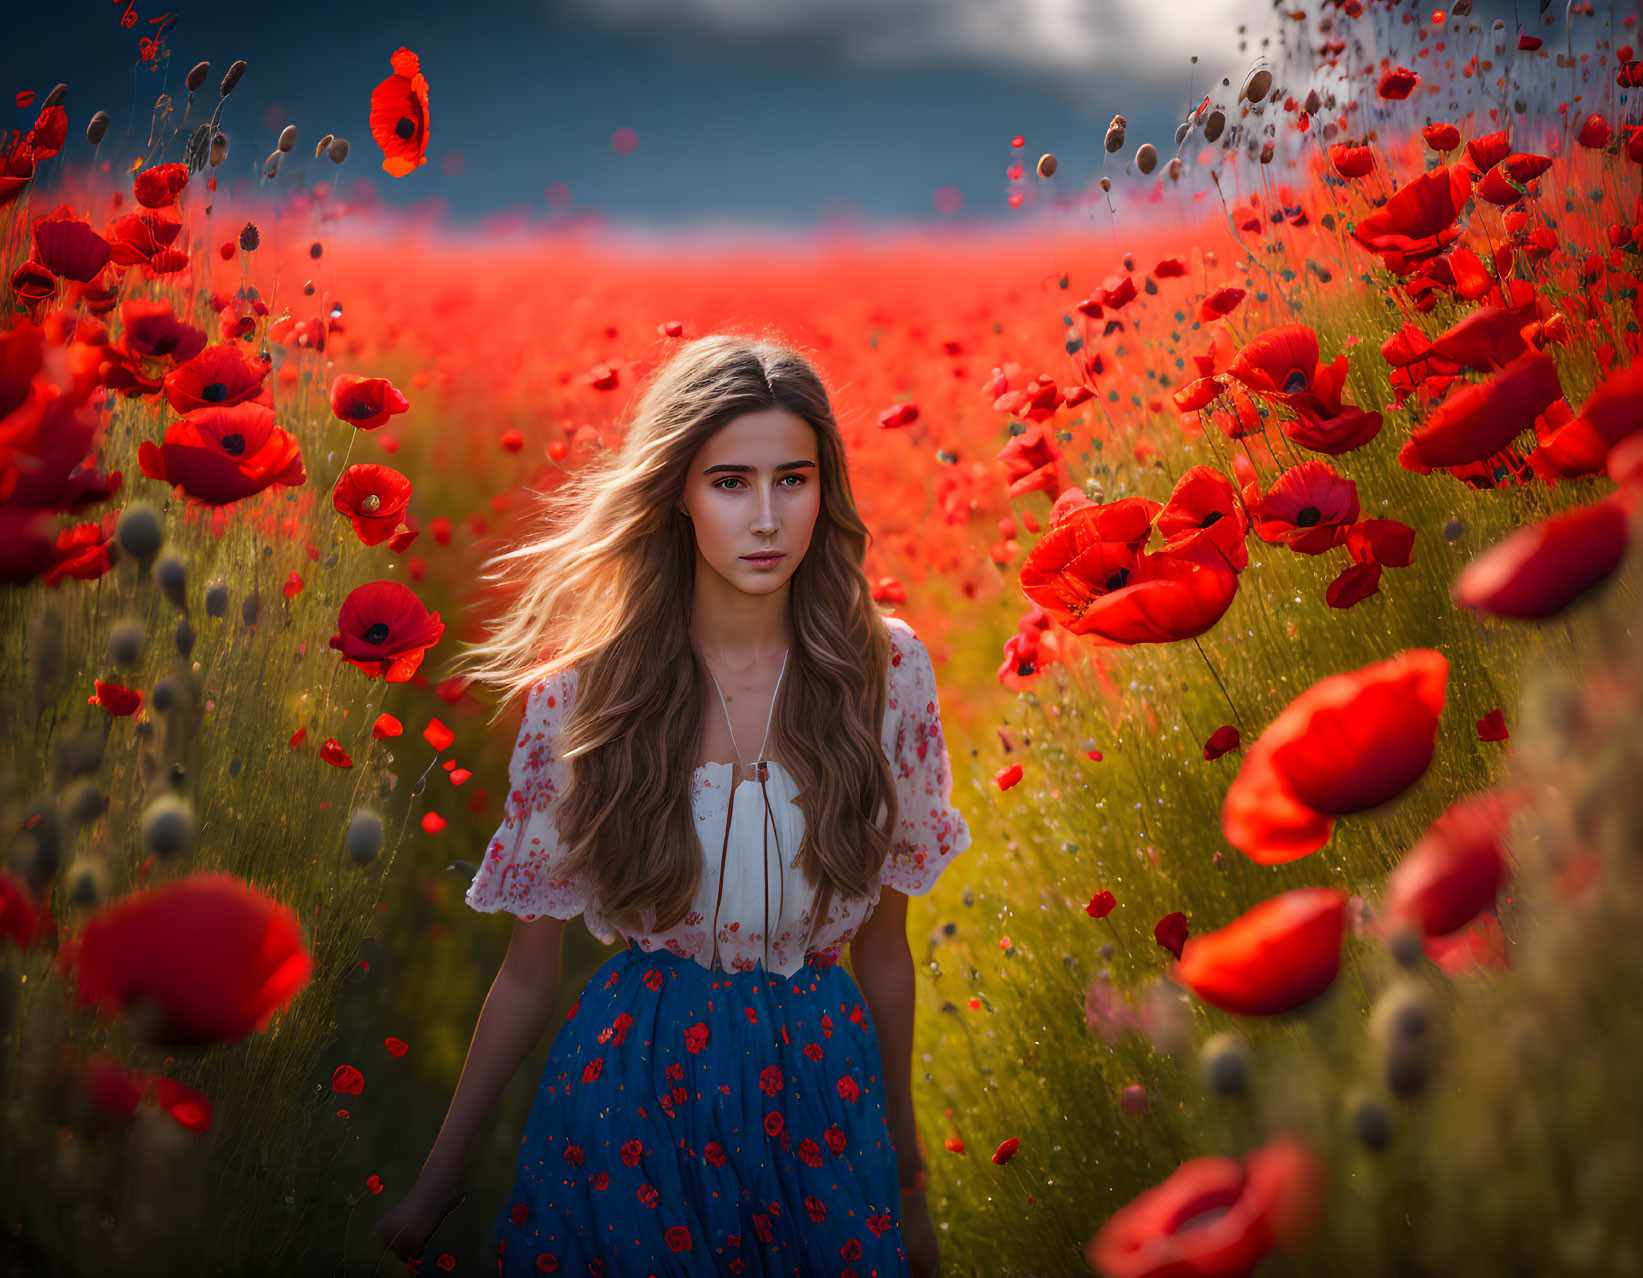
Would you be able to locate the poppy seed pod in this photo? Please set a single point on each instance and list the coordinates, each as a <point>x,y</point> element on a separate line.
<point>364,839</point>
<point>288,137</point>
<point>172,575</point>
<point>125,643</point>
<point>271,166</point>
<point>216,601</point>
<point>196,75</point>
<point>1175,169</point>
<point>219,148</point>
<point>97,128</point>
<point>1046,165</point>
<point>1181,132</point>
<point>185,638</point>
<point>249,237</point>
<point>165,694</point>
<point>1115,134</point>
<point>338,150</point>
<point>1371,1123</point>
<point>1257,86</point>
<point>1146,159</point>
<point>168,826</point>
<point>321,146</point>
<point>84,803</point>
<point>55,97</point>
<point>251,608</point>
<point>1214,125</point>
<point>232,78</point>
<point>1224,1063</point>
<point>87,885</point>
<point>138,531</point>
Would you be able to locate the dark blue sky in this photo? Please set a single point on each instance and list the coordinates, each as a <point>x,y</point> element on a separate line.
<point>841,107</point>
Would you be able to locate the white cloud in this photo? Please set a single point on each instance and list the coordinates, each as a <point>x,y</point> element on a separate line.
<point>1070,41</point>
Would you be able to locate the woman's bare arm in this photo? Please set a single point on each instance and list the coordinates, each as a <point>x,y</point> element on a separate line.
<point>516,1011</point>
<point>882,964</point>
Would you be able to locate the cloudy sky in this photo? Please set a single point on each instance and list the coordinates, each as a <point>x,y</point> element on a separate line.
<point>763,112</point>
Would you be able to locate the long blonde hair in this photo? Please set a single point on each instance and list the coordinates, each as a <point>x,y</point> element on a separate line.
<point>601,581</point>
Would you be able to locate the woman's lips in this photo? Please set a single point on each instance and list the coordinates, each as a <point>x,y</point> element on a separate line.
<point>763,561</point>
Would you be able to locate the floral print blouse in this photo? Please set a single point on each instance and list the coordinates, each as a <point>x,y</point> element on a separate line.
<point>519,872</point>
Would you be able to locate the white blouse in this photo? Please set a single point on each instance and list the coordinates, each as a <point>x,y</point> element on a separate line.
<point>519,873</point>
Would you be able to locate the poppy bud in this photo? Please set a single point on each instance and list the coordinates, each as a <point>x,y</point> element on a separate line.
<point>1106,184</point>
<point>1174,171</point>
<point>1214,125</point>
<point>1046,165</point>
<point>1257,86</point>
<point>168,826</point>
<point>97,128</point>
<point>84,803</point>
<point>271,166</point>
<point>125,643</point>
<point>1224,1062</point>
<point>249,237</point>
<point>196,75</point>
<point>232,78</point>
<point>288,137</point>
<point>54,98</point>
<point>251,608</point>
<point>324,142</point>
<point>1452,531</point>
<point>1372,1123</point>
<point>138,531</point>
<point>172,575</point>
<point>185,638</point>
<point>1313,102</point>
<point>1146,159</point>
<point>338,150</point>
<point>216,601</point>
<point>364,839</point>
<point>219,148</point>
<point>1115,135</point>
<point>1405,947</point>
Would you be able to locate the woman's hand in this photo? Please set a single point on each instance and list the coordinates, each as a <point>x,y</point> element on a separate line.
<point>918,1235</point>
<point>410,1222</point>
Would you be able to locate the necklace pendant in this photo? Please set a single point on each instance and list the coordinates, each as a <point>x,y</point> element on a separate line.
<point>764,770</point>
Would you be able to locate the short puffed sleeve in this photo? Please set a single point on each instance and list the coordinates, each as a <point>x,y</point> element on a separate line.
<point>929,831</point>
<point>520,872</point>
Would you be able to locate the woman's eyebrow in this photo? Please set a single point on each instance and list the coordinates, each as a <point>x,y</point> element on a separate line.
<point>741,469</point>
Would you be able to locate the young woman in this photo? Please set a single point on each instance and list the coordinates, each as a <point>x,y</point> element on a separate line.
<point>698,771</point>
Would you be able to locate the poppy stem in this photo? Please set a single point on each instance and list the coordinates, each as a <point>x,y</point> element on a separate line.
<point>1125,945</point>
<point>1236,717</point>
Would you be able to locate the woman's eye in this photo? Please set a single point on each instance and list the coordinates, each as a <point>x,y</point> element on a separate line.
<point>721,484</point>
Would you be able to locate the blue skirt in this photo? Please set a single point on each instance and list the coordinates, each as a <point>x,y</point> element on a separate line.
<point>693,1121</point>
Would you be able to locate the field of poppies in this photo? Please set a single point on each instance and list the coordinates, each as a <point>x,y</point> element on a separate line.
<point>1277,572</point>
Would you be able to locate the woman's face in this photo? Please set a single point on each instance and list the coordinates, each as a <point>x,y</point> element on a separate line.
<point>755,486</point>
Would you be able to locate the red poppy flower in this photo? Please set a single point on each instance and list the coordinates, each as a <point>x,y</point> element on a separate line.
<point>374,498</point>
<point>899,415</point>
<point>1503,185</point>
<point>1101,905</point>
<point>210,956</point>
<point>1397,84</point>
<point>135,240</point>
<point>1595,132</point>
<point>158,187</point>
<point>1487,340</point>
<point>49,133</point>
<point>16,171</point>
<point>365,402</point>
<point>114,1091</point>
<point>1223,301</point>
<point>1271,959</point>
<point>1126,597</point>
<point>1031,461</point>
<point>1486,151</point>
<point>1213,1217</point>
<point>399,115</point>
<point>1282,364</point>
<point>1350,742</point>
<point>1540,570</point>
<point>1204,521</point>
<point>385,629</point>
<point>218,377</point>
<point>1580,446</point>
<point>1309,508</point>
<point>24,917</point>
<point>118,701</point>
<point>153,331</point>
<point>1418,221</point>
<point>191,1108</point>
<point>222,455</point>
<point>67,246</point>
<point>1479,420</point>
<point>1169,268</point>
<point>1351,161</point>
<point>1350,428</point>
<point>33,286</point>
<point>1355,583</point>
<point>1171,932</point>
<point>1441,137</point>
<point>1454,872</point>
<point>1381,541</point>
<point>1220,741</point>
